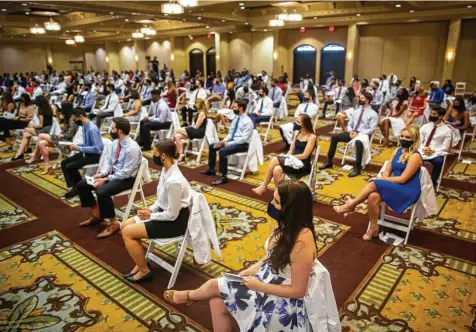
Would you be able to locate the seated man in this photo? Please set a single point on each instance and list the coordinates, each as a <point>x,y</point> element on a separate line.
<point>88,100</point>
<point>146,92</point>
<point>160,119</point>
<point>89,152</point>
<point>435,139</point>
<point>377,97</point>
<point>361,121</point>
<point>336,97</point>
<point>199,93</point>
<point>264,109</point>
<point>117,175</point>
<point>275,93</point>
<point>436,96</point>
<point>237,141</point>
<point>110,105</point>
<point>218,91</point>
<point>307,107</point>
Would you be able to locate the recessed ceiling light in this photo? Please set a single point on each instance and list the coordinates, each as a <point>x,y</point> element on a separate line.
<point>27,13</point>
<point>246,23</point>
<point>4,9</point>
<point>67,30</point>
<point>241,4</point>
<point>207,27</point>
<point>199,18</point>
<point>398,5</point>
<point>265,30</point>
<point>223,20</point>
<point>24,4</point>
<point>94,30</point>
<point>166,14</point>
<point>469,6</point>
<point>24,35</point>
<point>315,17</point>
<point>127,20</point>
<point>112,13</point>
<point>411,11</point>
<point>242,7</point>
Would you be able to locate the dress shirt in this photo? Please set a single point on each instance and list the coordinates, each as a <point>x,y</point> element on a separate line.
<point>440,143</point>
<point>173,194</point>
<point>276,94</point>
<point>160,112</point>
<point>392,79</point>
<point>240,93</point>
<point>339,92</point>
<point>383,85</point>
<point>436,96</point>
<point>146,92</point>
<point>92,141</point>
<point>242,134</point>
<point>329,80</point>
<point>194,95</point>
<point>312,110</point>
<point>377,97</point>
<point>18,92</point>
<point>265,105</point>
<point>218,89</point>
<point>60,88</point>
<point>127,165</point>
<point>37,92</point>
<point>88,100</point>
<point>119,84</point>
<point>368,123</point>
<point>238,82</point>
<point>110,103</point>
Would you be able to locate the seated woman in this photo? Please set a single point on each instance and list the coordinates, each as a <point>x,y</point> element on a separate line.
<point>395,118</point>
<point>166,218</point>
<point>171,95</point>
<point>349,102</point>
<point>196,131</point>
<point>457,116</point>
<point>133,114</point>
<point>45,117</point>
<point>417,106</point>
<point>25,114</point>
<point>225,114</point>
<point>399,187</point>
<point>272,291</point>
<point>45,140</point>
<point>298,160</point>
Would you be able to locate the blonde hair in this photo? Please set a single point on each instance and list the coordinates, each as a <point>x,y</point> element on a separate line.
<point>415,134</point>
<point>201,106</point>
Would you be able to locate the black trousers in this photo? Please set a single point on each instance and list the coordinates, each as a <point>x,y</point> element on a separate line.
<point>187,111</point>
<point>71,166</point>
<point>104,195</point>
<point>345,137</point>
<point>100,116</point>
<point>329,102</point>
<point>9,124</point>
<point>146,127</point>
<point>224,152</point>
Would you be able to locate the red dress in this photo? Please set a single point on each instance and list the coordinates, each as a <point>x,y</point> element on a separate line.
<point>417,104</point>
<point>171,99</point>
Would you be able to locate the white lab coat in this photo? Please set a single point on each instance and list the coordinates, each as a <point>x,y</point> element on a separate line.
<point>367,156</point>
<point>255,151</point>
<point>426,206</point>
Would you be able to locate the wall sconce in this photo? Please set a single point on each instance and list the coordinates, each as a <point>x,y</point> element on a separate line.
<point>449,56</point>
<point>136,58</point>
<point>217,57</point>
<point>172,57</point>
<point>275,55</point>
<point>50,60</point>
<point>349,56</point>
<point>107,59</point>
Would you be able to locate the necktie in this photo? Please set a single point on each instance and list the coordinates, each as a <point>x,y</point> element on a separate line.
<point>373,97</point>
<point>196,95</point>
<point>107,102</point>
<point>116,157</point>
<point>157,110</point>
<point>235,129</point>
<point>305,108</point>
<point>338,93</point>
<point>432,133</point>
<point>356,127</point>
<point>272,95</point>
<point>261,107</point>
<point>381,85</point>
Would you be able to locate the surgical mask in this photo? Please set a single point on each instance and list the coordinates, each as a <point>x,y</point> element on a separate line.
<point>406,143</point>
<point>236,111</point>
<point>273,212</point>
<point>433,118</point>
<point>114,135</point>
<point>306,99</point>
<point>362,102</point>
<point>260,95</point>
<point>78,122</point>
<point>158,161</point>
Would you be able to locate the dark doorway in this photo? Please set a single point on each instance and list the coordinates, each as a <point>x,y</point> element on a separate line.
<point>332,58</point>
<point>304,63</point>
<point>196,61</point>
<point>211,61</point>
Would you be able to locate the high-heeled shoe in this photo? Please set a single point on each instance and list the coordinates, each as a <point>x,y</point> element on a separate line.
<point>134,273</point>
<point>20,157</point>
<point>337,209</point>
<point>169,297</point>
<point>373,233</point>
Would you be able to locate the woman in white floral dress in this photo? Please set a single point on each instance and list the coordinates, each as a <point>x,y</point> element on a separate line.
<point>271,296</point>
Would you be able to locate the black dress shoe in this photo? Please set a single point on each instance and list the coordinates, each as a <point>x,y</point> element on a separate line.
<point>29,150</point>
<point>20,157</point>
<point>208,172</point>
<point>148,276</point>
<point>72,193</point>
<point>221,180</point>
<point>355,172</point>
<point>327,164</point>
<point>132,274</point>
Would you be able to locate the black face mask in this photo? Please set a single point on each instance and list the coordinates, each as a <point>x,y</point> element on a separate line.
<point>157,161</point>
<point>433,118</point>
<point>406,143</point>
<point>78,122</point>
<point>273,212</point>
<point>297,127</point>
<point>306,99</point>
<point>237,112</point>
<point>362,102</point>
<point>114,135</point>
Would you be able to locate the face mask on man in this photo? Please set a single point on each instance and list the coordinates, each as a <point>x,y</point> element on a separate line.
<point>433,118</point>
<point>114,134</point>
<point>157,161</point>
<point>236,111</point>
<point>306,99</point>
<point>260,95</point>
<point>78,122</point>
<point>361,102</point>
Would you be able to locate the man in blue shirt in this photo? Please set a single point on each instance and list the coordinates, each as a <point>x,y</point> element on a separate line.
<point>118,174</point>
<point>238,140</point>
<point>218,92</point>
<point>88,152</point>
<point>436,97</point>
<point>88,100</point>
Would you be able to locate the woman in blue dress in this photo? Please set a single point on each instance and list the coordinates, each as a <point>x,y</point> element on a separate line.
<point>270,296</point>
<point>399,186</point>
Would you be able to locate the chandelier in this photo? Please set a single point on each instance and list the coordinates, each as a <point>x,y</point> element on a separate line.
<point>276,22</point>
<point>70,42</point>
<point>37,30</point>
<point>79,38</point>
<point>294,17</point>
<point>52,25</point>
<point>172,7</point>
<point>148,31</point>
<point>188,3</point>
<point>137,34</point>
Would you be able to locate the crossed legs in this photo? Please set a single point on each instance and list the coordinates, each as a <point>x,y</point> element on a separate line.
<point>44,141</point>
<point>179,135</point>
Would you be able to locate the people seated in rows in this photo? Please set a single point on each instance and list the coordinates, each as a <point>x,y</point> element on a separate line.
<point>19,90</point>
<point>110,105</point>
<point>457,116</point>
<point>45,140</point>
<point>377,97</point>
<point>435,139</point>
<point>436,96</point>
<point>417,105</point>
<point>362,121</point>
<point>166,218</point>
<point>335,98</point>
<point>399,186</point>
<point>218,92</point>
<point>170,95</point>
<point>117,175</point>
<point>275,93</point>
<point>238,140</point>
<point>349,102</point>
<point>297,162</point>
<point>133,113</point>
<point>264,109</point>
<point>390,96</point>
<point>188,110</point>
<point>88,100</point>
<point>279,280</point>
<point>25,114</point>
<point>307,107</point>
<point>159,118</point>
<point>225,114</point>
<point>396,116</point>
<point>195,131</point>
<point>146,92</point>
<point>88,152</point>
<point>60,88</point>
<point>43,125</point>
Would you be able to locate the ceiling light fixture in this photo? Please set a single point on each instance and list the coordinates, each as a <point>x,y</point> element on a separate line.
<point>127,20</point>
<point>4,9</point>
<point>358,14</point>
<point>208,27</point>
<point>188,3</point>
<point>172,7</point>
<point>276,22</point>
<point>37,30</point>
<point>24,4</point>
<point>294,17</point>
<point>137,34</point>
<point>411,10</point>
<point>70,42</point>
<point>199,18</point>
<point>469,6</point>
<point>79,38</point>
<point>398,5</point>
<point>27,13</point>
<point>52,25</point>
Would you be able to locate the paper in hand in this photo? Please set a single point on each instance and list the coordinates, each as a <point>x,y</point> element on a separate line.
<point>90,180</point>
<point>232,277</point>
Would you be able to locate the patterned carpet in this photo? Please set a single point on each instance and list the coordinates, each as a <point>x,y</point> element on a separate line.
<point>413,289</point>
<point>11,214</point>
<point>49,283</point>
<point>464,171</point>
<point>242,227</point>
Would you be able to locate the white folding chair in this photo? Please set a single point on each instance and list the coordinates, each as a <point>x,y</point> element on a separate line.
<point>248,155</point>
<point>269,126</point>
<point>91,169</point>
<point>288,92</point>
<point>460,88</point>
<point>181,251</point>
<point>347,147</point>
<point>311,178</point>
<point>144,112</point>
<point>201,142</point>
<point>167,133</point>
<point>107,122</point>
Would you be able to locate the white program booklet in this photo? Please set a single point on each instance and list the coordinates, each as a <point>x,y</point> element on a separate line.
<point>89,180</point>
<point>232,277</point>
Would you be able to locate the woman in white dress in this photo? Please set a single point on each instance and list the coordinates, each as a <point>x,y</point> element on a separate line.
<point>396,116</point>
<point>225,114</point>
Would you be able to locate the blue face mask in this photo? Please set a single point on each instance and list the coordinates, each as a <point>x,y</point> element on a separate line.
<point>273,212</point>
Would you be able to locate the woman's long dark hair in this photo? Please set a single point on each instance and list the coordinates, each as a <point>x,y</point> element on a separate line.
<point>296,203</point>
<point>7,98</point>
<point>462,106</point>
<point>351,93</point>
<point>306,123</point>
<point>26,99</point>
<point>231,95</point>
<point>44,107</point>
<point>404,95</point>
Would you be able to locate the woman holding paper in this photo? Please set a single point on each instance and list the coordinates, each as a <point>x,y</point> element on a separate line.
<point>166,218</point>
<point>270,294</point>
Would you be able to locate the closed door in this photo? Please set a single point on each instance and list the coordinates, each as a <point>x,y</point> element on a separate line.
<point>211,62</point>
<point>196,61</point>
<point>332,59</point>
<point>304,63</point>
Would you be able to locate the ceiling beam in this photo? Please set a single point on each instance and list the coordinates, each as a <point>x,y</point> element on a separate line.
<point>89,21</point>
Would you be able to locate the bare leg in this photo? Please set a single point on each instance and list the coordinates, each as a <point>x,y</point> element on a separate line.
<point>374,212</point>
<point>43,146</point>
<point>132,236</point>
<point>36,152</point>
<point>206,291</point>
<point>124,224</point>
<point>277,175</point>
<point>24,142</point>
<point>220,317</point>
<point>363,195</point>
<point>269,174</point>
<point>178,142</point>
<point>342,121</point>
<point>385,128</point>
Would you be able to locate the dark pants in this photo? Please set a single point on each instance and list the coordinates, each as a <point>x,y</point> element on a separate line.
<point>71,166</point>
<point>9,124</point>
<point>300,96</point>
<point>146,127</point>
<point>345,137</point>
<point>87,109</point>
<point>224,153</point>
<point>437,163</point>
<point>258,118</point>
<point>100,116</point>
<point>187,111</point>
<point>104,195</point>
<point>329,102</point>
